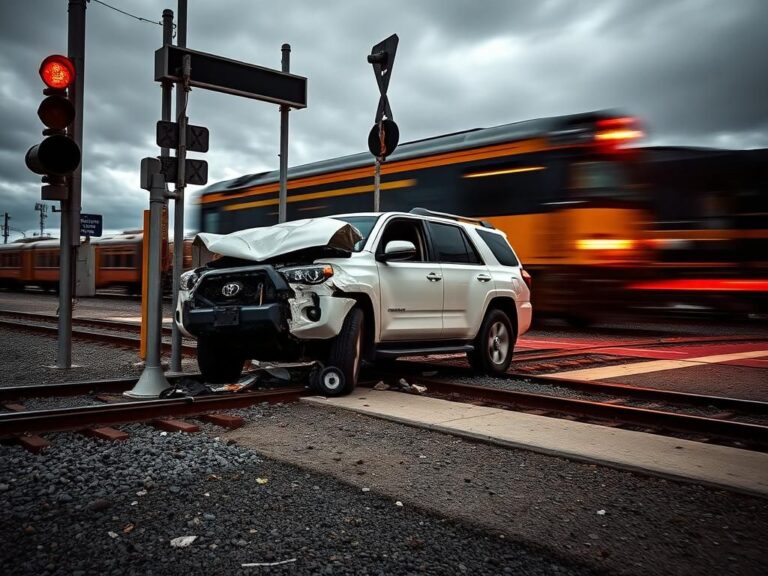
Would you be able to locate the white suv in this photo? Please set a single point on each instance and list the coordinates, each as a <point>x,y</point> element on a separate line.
<point>355,287</point>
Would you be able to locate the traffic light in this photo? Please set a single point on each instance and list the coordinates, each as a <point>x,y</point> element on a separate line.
<point>58,155</point>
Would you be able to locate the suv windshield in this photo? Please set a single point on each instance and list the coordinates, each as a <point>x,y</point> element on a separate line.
<point>364,225</point>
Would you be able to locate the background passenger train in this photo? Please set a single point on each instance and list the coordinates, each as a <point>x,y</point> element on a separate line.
<point>118,262</point>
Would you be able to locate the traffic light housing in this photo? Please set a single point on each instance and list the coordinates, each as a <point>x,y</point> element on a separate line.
<point>58,155</point>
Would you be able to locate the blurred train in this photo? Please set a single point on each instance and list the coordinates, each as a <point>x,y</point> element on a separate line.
<point>601,224</point>
<point>118,262</point>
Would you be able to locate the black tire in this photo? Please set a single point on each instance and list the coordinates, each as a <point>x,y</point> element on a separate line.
<point>219,361</point>
<point>346,354</point>
<point>494,345</point>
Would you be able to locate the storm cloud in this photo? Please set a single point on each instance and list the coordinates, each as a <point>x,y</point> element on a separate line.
<point>692,70</point>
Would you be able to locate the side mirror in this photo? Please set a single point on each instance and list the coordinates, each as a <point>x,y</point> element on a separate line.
<point>398,250</point>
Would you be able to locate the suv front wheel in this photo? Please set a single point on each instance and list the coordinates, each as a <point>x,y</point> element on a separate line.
<point>494,345</point>
<point>346,354</point>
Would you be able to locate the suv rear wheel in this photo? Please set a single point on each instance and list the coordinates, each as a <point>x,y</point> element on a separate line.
<point>494,345</point>
<point>219,361</point>
<point>346,354</point>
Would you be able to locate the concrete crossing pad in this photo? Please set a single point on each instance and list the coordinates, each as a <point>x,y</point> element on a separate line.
<point>720,466</point>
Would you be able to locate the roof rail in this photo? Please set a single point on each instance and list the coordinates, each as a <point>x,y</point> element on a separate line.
<point>425,212</point>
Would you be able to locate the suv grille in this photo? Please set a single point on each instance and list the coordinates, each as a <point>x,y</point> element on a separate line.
<point>235,289</point>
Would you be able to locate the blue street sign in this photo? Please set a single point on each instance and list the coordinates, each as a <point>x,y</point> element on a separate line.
<point>90,224</point>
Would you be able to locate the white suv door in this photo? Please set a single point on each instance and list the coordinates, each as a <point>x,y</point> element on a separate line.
<point>412,290</point>
<point>466,280</point>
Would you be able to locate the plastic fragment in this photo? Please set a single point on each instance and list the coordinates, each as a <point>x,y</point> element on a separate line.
<point>183,541</point>
<point>399,504</point>
<point>366,489</point>
<point>278,563</point>
<point>380,385</point>
<point>112,534</point>
<point>601,512</point>
<point>261,481</point>
<point>141,493</point>
<point>418,388</point>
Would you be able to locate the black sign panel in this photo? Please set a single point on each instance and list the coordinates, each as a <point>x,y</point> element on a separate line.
<point>195,171</point>
<point>231,76</point>
<point>90,224</point>
<point>167,136</point>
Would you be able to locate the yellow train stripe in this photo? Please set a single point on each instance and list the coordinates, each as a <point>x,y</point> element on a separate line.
<point>472,154</point>
<point>654,366</point>
<point>325,194</point>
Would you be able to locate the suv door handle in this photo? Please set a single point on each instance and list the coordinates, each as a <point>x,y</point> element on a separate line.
<point>484,277</point>
<point>434,277</point>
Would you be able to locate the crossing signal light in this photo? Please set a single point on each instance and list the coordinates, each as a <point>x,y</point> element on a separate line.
<point>58,155</point>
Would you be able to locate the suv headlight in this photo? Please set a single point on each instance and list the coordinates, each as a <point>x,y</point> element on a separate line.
<point>307,274</point>
<point>188,280</point>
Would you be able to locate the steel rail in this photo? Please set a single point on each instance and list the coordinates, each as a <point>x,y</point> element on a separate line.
<point>750,433</point>
<point>61,389</point>
<point>95,322</point>
<point>60,419</point>
<point>115,339</point>
<point>628,391</point>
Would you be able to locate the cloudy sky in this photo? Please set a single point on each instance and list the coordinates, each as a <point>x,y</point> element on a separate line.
<point>695,72</point>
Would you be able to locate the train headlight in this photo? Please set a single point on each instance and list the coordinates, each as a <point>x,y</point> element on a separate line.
<point>188,280</point>
<point>307,274</point>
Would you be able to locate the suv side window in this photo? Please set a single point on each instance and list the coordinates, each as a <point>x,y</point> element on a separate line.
<point>500,248</point>
<point>452,245</point>
<point>408,229</point>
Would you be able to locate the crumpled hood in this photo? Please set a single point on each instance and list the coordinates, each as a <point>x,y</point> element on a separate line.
<point>260,244</point>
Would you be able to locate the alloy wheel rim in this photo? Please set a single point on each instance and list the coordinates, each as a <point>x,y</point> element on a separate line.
<point>498,343</point>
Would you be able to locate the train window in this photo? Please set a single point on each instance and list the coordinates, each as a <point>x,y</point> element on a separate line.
<point>452,245</point>
<point>601,179</point>
<point>500,248</point>
<point>211,221</point>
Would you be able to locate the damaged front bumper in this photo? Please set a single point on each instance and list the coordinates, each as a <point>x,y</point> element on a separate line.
<point>270,308</point>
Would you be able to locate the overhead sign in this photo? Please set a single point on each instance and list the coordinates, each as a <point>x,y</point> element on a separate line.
<point>167,136</point>
<point>90,224</point>
<point>231,76</point>
<point>195,171</point>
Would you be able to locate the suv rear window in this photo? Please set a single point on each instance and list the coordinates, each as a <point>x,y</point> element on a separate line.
<point>452,245</point>
<point>500,248</point>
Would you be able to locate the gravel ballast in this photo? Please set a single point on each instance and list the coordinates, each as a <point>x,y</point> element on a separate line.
<point>316,491</point>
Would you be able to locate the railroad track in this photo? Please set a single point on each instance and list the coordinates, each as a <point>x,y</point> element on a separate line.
<point>706,418</point>
<point>123,334</point>
<point>31,422</point>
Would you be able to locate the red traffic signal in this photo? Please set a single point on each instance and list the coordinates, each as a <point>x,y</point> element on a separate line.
<point>57,71</point>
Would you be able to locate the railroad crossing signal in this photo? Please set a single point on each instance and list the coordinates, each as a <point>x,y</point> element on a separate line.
<point>167,136</point>
<point>58,155</point>
<point>384,136</point>
<point>195,171</point>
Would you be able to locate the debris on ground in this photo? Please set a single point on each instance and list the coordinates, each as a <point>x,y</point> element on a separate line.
<point>278,563</point>
<point>261,481</point>
<point>405,386</point>
<point>183,541</point>
<point>381,385</point>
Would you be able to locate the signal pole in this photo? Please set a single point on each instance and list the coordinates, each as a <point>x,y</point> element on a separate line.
<point>43,209</point>
<point>6,230</point>
<point>178,199</point>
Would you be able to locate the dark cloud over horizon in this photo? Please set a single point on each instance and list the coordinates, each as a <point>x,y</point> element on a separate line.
<point>692,70</point>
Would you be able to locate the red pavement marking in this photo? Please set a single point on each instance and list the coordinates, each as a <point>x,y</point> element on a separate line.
<point>223,420</point>
<point>173,425</point>
<point>106,433</point>
<point>14,407</point>
<point>34,443</point>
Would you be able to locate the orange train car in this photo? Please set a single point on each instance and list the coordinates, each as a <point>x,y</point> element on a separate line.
<point>118,262</point>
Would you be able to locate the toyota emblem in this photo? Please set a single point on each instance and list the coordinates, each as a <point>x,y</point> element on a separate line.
<point>231,289</point>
